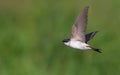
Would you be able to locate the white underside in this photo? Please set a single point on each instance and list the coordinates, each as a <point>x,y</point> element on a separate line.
<point>78,45</point>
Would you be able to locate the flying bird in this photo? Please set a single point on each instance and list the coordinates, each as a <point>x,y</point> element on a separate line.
<point>79,40</point>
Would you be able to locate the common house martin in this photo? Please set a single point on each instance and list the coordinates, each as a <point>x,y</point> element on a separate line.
<point>79,40</point>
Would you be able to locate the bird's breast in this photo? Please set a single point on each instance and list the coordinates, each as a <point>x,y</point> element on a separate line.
<point>79,45</point>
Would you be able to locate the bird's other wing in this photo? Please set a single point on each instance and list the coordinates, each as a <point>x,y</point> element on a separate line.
<point>89,36</point>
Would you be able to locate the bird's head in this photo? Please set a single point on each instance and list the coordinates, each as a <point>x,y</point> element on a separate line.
<point>66,41</point>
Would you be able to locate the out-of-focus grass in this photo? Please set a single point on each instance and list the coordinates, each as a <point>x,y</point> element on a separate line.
<point>31,32</point>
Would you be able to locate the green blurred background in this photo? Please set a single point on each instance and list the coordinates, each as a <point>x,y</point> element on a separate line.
<point>31,32</point>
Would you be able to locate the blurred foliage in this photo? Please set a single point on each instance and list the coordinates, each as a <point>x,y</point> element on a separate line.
<point>31,32</point>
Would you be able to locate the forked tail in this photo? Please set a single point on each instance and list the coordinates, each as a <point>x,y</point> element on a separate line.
<point>96,49</point>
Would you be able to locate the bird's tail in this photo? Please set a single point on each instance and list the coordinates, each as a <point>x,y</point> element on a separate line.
<point>96,49</point>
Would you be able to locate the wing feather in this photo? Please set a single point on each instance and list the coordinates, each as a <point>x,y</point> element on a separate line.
<point>79,27</point>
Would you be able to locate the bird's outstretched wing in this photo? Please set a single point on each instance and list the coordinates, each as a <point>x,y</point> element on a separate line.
<point>79,27</point>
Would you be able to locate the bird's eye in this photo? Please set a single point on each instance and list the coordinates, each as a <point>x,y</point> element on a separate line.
<point>65,40</point>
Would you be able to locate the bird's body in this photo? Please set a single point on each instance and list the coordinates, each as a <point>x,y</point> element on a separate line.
<point>78,38</point>
<point>78,45</point>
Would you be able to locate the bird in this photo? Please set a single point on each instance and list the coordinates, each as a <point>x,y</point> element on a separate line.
<point>79,39</point>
